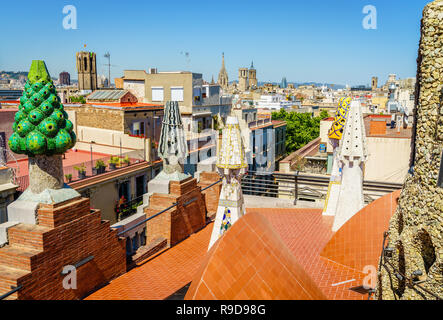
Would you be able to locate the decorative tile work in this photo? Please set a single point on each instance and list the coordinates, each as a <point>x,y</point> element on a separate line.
<point>226,222</point>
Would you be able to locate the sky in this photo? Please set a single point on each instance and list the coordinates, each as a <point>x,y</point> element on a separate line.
<point>302,40</point>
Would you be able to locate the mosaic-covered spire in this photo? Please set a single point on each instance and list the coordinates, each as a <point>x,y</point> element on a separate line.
<point>231,154</point>
<point>172,137</point>
<point>41,125</point>
<point>231,163</point>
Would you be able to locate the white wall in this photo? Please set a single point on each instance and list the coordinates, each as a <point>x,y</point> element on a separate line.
<point>110,139</point>
<point>388,159</point>
<point>324,129</point>
<point>136,87</point>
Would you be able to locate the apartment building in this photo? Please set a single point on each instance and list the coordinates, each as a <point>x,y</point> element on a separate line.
<point>200,104</point>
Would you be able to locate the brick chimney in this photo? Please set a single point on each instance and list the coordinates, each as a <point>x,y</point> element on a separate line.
<point>377,127</point>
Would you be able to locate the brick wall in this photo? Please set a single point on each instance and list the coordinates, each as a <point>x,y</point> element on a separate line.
<point>212,194</point>
<point>181,221</point>
<point>66,234</point>
<point>100,118</point>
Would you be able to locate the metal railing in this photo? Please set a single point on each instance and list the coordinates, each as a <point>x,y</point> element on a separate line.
<point>127,208</point>
<point>302,186</point>
<point>212,184</point>
<point>71,173</point>
<point>157,214</point>
<point>14,290</point>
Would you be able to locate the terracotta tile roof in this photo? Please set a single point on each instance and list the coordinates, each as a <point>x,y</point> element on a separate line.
<point>278,123</point>
<point>369,224</point>
<point>317,259</point>
<point>251,262</point>
<point>306,232</point>
<point>160,277</point>
<point>126,105</point>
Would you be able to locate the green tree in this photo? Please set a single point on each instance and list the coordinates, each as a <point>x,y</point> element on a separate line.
<point>324,114</point>
<point>79,99</point>
<point>41,125</point>
<point>301,128</point>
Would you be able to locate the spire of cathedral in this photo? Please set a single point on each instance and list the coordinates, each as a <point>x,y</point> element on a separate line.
<point>223,75</point>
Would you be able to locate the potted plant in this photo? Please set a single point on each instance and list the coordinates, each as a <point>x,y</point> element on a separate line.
<point>68,177</point>
<point>125,160</point>
<point>81,171</point>
<point>113,162</point>
<point>99,167</point>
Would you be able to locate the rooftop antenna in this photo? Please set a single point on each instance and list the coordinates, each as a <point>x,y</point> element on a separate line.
<point>108,56</point>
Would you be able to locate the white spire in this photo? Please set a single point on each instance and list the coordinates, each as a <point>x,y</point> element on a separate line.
<point>352,154</point>
<point>353,143</point>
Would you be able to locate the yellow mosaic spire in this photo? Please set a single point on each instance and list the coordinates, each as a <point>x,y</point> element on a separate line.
<point>336,131</point>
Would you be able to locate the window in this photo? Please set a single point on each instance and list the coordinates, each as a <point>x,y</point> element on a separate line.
<point>124,190</point>
<point>157,93</point>
<point>197,93</point>
<point>177,93</point>
<point>138,128</point>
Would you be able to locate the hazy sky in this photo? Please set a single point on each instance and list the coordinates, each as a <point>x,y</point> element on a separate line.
<point>321,40</point>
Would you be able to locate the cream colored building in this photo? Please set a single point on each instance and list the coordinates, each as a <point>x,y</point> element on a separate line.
<point>199,102</point>
<point>115,129</point>
<point>388,149</point>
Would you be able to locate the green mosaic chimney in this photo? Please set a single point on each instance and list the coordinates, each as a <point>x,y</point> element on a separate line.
<point>41,125</point>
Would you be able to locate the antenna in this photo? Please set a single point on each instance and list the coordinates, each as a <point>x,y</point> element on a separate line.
<point>108,55</point>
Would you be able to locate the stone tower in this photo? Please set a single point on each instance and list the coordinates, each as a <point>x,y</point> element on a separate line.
<point>223,75</point>
<point>243,79</point>
<point>374,83</point>
<point>252,77</point>
<point>87,71</point>
<point>412,262</point>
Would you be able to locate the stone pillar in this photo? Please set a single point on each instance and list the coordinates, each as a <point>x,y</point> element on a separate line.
<point>415,239</point>
<point>45,172</point>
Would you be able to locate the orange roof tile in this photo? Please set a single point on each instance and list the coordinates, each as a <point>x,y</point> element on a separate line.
<point>251,262</point>
<point>162,276</point>
<point>317,264</point>
<point>358,243</point>
<point>306,232</point>
<point>127,105</point>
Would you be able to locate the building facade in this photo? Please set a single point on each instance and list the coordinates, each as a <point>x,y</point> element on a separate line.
<point>87,71</point>
<point>64,79</point>
<point>200,104</point>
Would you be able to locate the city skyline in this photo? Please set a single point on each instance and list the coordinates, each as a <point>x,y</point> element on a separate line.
<point>321,43</point>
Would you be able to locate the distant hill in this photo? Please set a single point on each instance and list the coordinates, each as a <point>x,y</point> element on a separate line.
<point>317,84</point>
<point>12,74</point>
